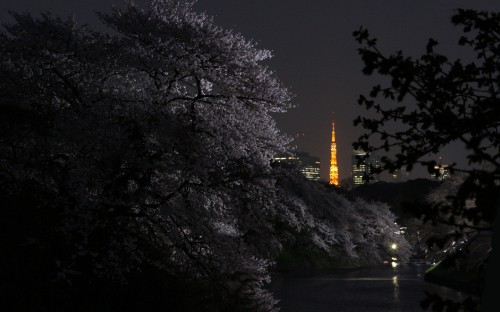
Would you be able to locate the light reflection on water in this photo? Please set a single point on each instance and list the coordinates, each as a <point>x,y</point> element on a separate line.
<point>396,289</point>
<point>374,289</point>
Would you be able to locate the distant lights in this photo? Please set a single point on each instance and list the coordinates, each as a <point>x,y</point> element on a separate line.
<point>334,168</point>
<point>394,246</point>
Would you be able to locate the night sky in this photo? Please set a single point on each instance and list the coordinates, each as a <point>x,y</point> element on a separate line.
<point>314,52</point>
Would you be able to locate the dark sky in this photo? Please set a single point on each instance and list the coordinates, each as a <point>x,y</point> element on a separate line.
<point>314,51</point>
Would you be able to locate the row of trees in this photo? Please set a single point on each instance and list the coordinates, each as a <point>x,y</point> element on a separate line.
<point>135,168</point>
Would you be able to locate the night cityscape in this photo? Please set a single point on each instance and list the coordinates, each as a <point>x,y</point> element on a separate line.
<point>230,155</point>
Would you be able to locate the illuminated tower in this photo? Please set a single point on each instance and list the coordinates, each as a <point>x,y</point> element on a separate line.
<point>334,168</point>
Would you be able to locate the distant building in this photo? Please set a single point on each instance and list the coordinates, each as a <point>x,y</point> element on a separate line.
<point>307,164</point>
<point>443,172</point>
<point>400,175</point>
<point>364,168</point>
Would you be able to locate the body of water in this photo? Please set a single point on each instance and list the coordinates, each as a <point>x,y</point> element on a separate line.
<point>369,289</point>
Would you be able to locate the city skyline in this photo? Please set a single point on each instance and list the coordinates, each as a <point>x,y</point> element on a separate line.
<point>315,54</point>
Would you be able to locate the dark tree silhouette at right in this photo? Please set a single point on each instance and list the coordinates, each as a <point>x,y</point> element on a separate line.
<point>436,102</point>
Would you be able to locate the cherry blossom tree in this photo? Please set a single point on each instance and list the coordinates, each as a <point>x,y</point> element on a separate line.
<point>146,148</point>
<point>352,231</point>
<point>135,166</point>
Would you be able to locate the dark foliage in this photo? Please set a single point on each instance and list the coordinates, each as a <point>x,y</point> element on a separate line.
<point>434,102</point>
<point>398,195</point>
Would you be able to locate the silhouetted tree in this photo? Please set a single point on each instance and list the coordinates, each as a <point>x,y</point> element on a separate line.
<point>435,102</point>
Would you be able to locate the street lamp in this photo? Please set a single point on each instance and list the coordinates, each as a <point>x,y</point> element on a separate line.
<point>394,262</point>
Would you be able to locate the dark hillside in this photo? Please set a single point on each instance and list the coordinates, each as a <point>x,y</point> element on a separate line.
<point>397,195</point>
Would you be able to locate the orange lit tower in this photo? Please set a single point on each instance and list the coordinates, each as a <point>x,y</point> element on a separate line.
<point>334,168</point>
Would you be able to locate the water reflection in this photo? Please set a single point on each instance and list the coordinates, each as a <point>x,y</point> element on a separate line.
<point>395,283</point>
<point>374,289</point>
